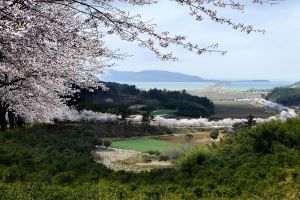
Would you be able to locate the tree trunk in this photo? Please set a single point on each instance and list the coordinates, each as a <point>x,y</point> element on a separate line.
<point>3,110</point>
<point>20,122</point>
<point>3,123</point>
<point>11,120</point>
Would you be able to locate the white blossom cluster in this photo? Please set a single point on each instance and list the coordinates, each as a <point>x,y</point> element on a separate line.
<point>200,122</point>
<point>87,116</point>
<point>205,123</point>
<point>266,103</point>
<point>90,116</point>
<point>97,117</point>
<point>285,112</point>
<point>44,49</point>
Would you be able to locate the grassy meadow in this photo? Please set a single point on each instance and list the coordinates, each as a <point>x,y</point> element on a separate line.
<point>162,143</point>
<point>143,144</point>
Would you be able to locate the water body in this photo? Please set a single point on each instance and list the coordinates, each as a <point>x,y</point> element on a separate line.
<point>243,86</point>
<point>224,85</point>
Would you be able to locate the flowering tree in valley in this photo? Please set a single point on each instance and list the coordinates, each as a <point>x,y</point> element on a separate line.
<point>46,46</point>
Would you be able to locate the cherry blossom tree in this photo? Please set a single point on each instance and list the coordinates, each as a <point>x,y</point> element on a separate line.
<point>44,50</point>
<point>46,46</point>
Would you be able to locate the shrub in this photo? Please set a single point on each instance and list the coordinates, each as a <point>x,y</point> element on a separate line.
<point>193,159</point>
<point>188,137</point>
<point>106,143</point>
<point>153,152</point>
<point>163,158</point>
<point>147,158</point>
<point>214,134</point>
<point>63,178</point>
<point>175,153</point>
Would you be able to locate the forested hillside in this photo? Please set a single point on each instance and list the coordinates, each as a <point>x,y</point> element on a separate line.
<point>287,96</point>
<point>122,97</point>
<point>55,162</point>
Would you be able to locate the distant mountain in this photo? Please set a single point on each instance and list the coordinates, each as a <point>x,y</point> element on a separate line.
<point>149,76</point>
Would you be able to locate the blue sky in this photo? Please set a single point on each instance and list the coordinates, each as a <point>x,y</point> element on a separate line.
<point>274,55</point>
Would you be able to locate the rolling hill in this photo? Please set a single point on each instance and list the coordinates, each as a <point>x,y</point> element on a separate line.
<point>295,85</point>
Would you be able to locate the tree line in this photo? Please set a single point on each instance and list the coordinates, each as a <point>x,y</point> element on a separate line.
<point>121,97</point>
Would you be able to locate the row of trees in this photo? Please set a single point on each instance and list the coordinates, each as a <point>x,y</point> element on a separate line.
<point>47,46</point>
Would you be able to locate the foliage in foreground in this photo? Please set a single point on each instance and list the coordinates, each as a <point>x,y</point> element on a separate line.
<point>54,162</point>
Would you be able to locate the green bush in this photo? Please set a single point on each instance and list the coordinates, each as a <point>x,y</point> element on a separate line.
<point>106,143</point>
<point>193,159</point>
<point>163,158</point>
<point>188,137</point>
<point>214,134</point>
<point>153,152</point>
<point>63,178</point>
<point>147,158</point>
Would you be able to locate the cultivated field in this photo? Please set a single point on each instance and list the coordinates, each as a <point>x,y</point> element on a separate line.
<point>234,109</point>
<point>134,154</point>
<point>162,143</point>
<point>199,138</point>
<point>225,95</point>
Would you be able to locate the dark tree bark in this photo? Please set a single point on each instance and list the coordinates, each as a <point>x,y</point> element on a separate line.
<point>11,119</point>
<point>3,110</point>
<point>20,122</point>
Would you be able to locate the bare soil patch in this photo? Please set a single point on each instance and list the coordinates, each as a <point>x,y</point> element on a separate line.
<point>127,160</point>
<point>198,139</point>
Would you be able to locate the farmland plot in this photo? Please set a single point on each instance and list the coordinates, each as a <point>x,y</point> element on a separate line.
<point>234,109</point>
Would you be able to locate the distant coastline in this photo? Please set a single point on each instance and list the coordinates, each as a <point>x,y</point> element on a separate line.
<point>209,86</point>
<point>252,81</point>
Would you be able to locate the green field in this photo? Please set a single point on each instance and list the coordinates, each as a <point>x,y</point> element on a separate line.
<point>143,144</point>
<point>163,112</point>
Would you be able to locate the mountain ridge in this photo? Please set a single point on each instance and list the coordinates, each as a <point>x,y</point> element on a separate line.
<point>150,76</point>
